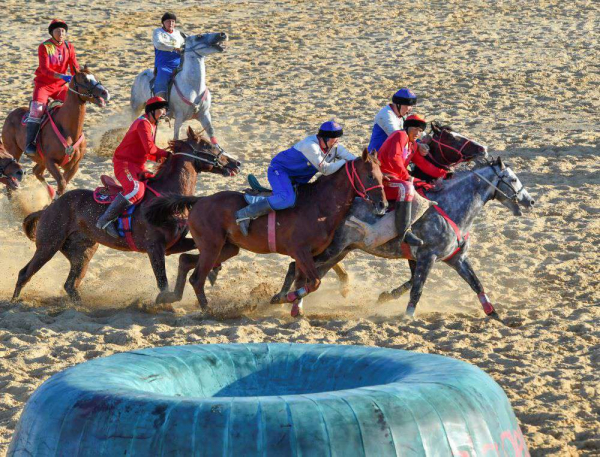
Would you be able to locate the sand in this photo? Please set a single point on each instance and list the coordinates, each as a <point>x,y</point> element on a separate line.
<point>520,77</point>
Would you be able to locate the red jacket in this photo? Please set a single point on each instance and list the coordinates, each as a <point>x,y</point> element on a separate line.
<point>395,154</point>
<point>427,167</point>
<point>55,59</point>
<point>138,145</point>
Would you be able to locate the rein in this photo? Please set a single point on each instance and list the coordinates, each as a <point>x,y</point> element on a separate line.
<point>497,189</point>
<point>214,162</point>
<point>458,151</point>
<point>90,90</point>
<point>353,177</point>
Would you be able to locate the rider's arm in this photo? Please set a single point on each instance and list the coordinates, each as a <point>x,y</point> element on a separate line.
<point>427,167</point>
<point>152,151</point>
<point>163,42</point>
<point>315,156</point>
<point>388,121</point>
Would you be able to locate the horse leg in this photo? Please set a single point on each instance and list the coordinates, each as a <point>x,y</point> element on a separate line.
<point>399,291</point>
<point>178,124</point>
<point>52,167</point>
<point>156,254</point>
<point>423,267</point>
<point>38,172</point>
<point>281,297</point>
<point>210,252</point>
<point>79,251</point>
<point>42,255</point>
<point>186,263</point>
<point>344,279</point>
<point>465,270</point>
<point>307,280</point>
<point>71,170</point>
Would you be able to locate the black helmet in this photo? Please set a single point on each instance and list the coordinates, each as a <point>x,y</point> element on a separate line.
<point>168,16</point>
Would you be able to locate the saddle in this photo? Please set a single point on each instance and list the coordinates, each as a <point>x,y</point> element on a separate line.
<point>106,193</point>
<point>52,107</point>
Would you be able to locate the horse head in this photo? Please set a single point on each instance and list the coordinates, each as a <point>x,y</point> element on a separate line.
<point>11,172</point>
<point>205,44</point>
<point>449,148</point>
<point>508,188</point>
<point>206,156</point>
<point>367,179</point>
<point>88,88</point>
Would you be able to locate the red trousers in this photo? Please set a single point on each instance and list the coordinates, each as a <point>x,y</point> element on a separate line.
<point>129,176</point>
<point>56,91</point>
<point>399,190</point>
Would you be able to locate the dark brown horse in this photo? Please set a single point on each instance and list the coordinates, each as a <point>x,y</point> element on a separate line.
<point>11,172</point>
<point>301,232</point>
<point>69,119</point>
<point>68,225</point>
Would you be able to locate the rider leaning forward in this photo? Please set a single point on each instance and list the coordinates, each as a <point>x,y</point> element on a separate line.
<point>395,154</point>
<point>297,165</point>
<point>56,57</point>
<point>129,161</point>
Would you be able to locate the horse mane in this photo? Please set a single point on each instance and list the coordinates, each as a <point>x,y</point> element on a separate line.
<point>440,126</point>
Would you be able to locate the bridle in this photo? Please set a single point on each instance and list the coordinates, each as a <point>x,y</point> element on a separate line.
<point>441,149</point>
<point>214,158</point>
<point>90,89</point>
<point>516,192</point>
<point>353,177</point>
<point>193,49</point>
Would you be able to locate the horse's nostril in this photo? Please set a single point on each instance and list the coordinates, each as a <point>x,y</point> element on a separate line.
<point>532,202</point>
<point>223,35</point>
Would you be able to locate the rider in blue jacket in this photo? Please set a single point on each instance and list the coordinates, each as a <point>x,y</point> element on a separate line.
<point>168,45</point>
<point>391,117</point>
<point>297,165</point>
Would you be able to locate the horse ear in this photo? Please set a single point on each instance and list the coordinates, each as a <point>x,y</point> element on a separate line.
<point>500,163</point>
<point>365,155</point>
<point>190,133</point>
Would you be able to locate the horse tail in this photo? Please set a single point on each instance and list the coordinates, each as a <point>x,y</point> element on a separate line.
<point>30,224</point>
<point>162,210</point>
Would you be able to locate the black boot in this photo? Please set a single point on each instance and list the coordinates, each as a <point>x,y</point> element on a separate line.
<point>114,210</point>
<point>33,128</point>
<point>246,214</point>
<point>403,215</point>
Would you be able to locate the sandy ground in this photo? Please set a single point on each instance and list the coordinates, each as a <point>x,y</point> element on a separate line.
<point>522,77</point>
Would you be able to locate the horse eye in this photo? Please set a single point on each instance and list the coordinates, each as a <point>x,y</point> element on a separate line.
<point>513,180</point>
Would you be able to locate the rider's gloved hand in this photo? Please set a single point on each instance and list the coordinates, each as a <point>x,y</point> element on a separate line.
<point>66,78</point>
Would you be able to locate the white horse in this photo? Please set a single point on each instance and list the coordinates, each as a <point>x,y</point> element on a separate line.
<point>189,97</point>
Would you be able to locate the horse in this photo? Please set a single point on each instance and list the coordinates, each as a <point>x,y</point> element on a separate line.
<point>61,143</point>
<point>448,149</point>
<point>301,232</point>
<point>11,172</point>
<point>189,98</point>
<point>68,225</point>
<point>444,233</point>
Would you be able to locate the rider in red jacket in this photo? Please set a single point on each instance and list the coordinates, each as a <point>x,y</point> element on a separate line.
<point>56,56</point>
<point>395,154</point>
<point>129,161</point>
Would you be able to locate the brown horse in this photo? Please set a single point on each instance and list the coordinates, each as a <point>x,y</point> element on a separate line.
<point>301,232</point>
<point>57,152</point>
<point>11,172</point>
<point>68,225</point>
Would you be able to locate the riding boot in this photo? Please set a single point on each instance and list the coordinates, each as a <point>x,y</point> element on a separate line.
<point>402,220</point>
<point>250,212</point>
<point>33,128</point>
<point>114,210</point>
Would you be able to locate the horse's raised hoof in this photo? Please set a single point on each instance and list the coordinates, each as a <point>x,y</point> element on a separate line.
<point>279,299</point>
<point>297,310</point>
<point>385,297</point>
<point>345,290</point>
<point>212,275</point>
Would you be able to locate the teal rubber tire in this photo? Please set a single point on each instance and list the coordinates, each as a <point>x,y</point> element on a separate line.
<point>269,400</point>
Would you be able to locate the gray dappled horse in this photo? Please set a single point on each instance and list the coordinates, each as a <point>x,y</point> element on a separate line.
<point>189,98</point>
<point>462,198</point>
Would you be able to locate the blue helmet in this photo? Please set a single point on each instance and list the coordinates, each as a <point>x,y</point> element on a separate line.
<point>404,97</point>
<point>330,129</point>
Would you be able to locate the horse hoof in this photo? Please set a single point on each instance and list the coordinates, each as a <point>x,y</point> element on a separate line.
<point>345,291</point>
<point>385,297</point>
<point>494,315</point>
<point>297,310</point>
<point>410,311</point>
<point>278,299</point>
<point>165,298</point>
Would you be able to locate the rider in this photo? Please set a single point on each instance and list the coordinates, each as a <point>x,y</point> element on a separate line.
<point>138,146</point>
<point>297,165</point>
<point>168,45</point>
<point>391,117</point>
<point>395,154</point>
<point>56,56</point>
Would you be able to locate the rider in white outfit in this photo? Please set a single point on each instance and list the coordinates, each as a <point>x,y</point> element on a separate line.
<point>168,45</point>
